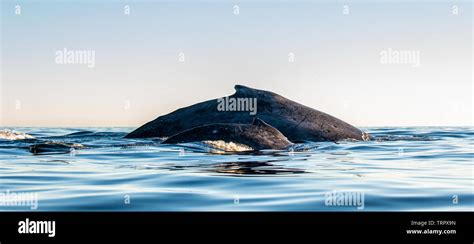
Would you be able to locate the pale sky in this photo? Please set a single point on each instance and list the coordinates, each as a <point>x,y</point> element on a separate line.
<point>320,53</point>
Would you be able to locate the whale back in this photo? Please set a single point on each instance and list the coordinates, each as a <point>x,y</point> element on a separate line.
<point>258,135</point>
<point>296,121</point>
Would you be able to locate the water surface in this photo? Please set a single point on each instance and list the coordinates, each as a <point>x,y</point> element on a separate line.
<point>405,169</point>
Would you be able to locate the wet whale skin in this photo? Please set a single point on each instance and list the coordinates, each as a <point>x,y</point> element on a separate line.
<point>296,121</point>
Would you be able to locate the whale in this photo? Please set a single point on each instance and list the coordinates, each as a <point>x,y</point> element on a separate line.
<point>295,121</point>
<point>251,137</point>
<point>51,147</point>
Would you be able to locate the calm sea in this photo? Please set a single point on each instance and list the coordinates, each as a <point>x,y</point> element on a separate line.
<point>405,169</point>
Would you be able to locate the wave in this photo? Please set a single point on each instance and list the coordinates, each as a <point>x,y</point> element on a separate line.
<point>14,135</point>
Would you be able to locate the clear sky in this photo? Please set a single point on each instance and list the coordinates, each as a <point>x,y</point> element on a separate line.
<point>320,53</point>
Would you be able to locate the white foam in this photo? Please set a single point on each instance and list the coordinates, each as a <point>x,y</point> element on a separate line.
<point>228,146</point>
<point>14,135</point>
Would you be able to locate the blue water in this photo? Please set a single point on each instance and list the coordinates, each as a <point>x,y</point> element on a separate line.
<point>405,169</point>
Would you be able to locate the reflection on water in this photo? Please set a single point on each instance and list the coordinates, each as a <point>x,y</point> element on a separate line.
<point>413,169</point>
<point>253,168</point>
<point>234,168</point>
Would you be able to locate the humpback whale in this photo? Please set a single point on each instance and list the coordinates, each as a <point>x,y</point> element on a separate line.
<point>51,147</point>
<point>256,136</point>
<point>296,121</point>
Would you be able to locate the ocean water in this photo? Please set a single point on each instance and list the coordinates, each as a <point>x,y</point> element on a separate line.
<point>404,169</point>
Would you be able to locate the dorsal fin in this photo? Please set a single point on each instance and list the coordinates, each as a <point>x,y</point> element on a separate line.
<point>245,91</point>
<point>258,122</point>
<point>242,90</point>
